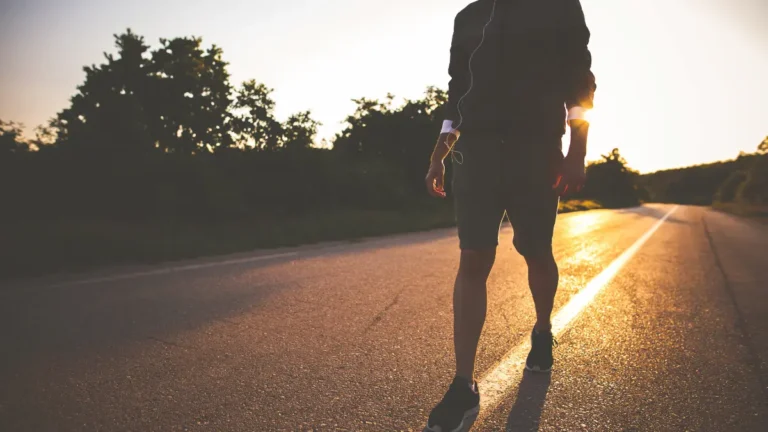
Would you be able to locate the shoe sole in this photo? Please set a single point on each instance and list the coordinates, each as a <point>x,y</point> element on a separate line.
<point>466,422</point>
<point>536,369</point>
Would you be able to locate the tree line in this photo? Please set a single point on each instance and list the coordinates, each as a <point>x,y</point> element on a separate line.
<point>742,181</point>
<point>161,134</point>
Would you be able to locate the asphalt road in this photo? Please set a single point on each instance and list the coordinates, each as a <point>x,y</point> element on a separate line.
<point>665,329</point>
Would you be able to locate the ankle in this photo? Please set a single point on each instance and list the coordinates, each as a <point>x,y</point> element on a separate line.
<point>468,382</point>
<point>543,328</point>
<point>465,378</point>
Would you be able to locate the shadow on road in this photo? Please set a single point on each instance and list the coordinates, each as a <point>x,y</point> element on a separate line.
<point>531,395</point>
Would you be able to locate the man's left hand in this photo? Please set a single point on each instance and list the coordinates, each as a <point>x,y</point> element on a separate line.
<point>572,176</point>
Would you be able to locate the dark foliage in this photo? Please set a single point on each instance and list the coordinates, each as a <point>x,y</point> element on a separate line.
<point>693,185</point>
<point>611,182</point>
<point>161,135</point>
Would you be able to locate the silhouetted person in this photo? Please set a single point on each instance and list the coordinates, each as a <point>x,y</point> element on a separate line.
<point>517,68</point>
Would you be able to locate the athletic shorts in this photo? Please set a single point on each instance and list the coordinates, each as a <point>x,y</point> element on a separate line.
<point>494,174</point>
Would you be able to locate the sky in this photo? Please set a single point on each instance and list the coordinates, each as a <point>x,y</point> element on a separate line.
<point>680,82</point>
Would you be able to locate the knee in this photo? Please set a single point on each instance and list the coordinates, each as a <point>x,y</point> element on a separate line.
<point>540,258</point>
<point>534,252</point>
<point>477,264</point>
<point>534,248</point>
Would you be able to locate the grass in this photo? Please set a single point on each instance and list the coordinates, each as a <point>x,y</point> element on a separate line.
<point>38,248</point>
<point>745,210</point>
<point>578,205</point>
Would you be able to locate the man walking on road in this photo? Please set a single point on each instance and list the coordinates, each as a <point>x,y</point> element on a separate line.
<point>517,67</point>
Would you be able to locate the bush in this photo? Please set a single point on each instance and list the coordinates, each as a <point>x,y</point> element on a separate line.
<point>693,185</point>
<point>730,187</point>
<point>754,189</point>
<point>611,182</point>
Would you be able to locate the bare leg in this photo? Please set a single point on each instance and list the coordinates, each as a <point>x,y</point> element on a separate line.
<point>543,278</point>
<point>469,307</point>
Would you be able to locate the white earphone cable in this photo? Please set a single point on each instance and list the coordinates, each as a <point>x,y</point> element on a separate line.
<point>454,153</point>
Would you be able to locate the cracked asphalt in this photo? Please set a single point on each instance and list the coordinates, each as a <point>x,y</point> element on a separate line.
<point>357,336</point>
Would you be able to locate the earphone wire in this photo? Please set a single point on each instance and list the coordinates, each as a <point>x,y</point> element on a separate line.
<point>454,153</point>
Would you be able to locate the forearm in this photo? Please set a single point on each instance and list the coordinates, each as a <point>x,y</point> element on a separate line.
<point>445,143</point>
<point>579,135</point>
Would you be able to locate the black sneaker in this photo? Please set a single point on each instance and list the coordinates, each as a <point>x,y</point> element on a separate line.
<point>458,410</point>
<point>540,358</point>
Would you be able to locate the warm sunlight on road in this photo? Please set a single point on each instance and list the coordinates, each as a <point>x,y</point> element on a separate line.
<point>660,322</point>
<point>582,223</point>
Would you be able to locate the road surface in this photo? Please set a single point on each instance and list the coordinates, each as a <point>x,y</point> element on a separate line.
<point>662,323</point>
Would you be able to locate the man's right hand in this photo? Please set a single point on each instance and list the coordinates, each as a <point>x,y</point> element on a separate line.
<point>436,179</point>
<point>572,176</point>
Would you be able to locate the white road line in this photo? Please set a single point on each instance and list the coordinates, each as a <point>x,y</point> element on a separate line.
<point>497,383</point>
<point>171,270</point>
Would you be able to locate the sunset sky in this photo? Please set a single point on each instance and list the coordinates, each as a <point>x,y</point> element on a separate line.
<point>679,82</point>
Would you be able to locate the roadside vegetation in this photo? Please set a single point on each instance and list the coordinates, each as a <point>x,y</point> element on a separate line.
<point>738,186</point>
<point>160,157</point>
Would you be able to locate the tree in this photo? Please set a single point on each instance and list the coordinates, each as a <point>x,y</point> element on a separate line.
<point>253,121</point>
<point>399,134</point>
<point>191,96</point>
<point>300,130</point>
<point>754,189</point>
<point>176,98</point>
<point>390,144</point>
<point>730,187</point>
<point>108,112</point>
<point>11,139</point>
<point>45,137</point>
<point>611,182</point>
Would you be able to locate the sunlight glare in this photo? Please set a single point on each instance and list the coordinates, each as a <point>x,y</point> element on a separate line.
<point>496,384</point>
<point>583,223</point>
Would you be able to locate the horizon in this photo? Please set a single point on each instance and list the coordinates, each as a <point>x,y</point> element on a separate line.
<point>697,76</point>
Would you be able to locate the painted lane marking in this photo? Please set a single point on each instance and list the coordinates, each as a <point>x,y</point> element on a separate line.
<point>497,383</point>
<point>172,270</point>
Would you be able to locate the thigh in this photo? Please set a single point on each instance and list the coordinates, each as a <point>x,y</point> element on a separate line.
<point>478,217</point>
<point>532,213</point>
<point>530,200</point>
<point>478,201</point>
